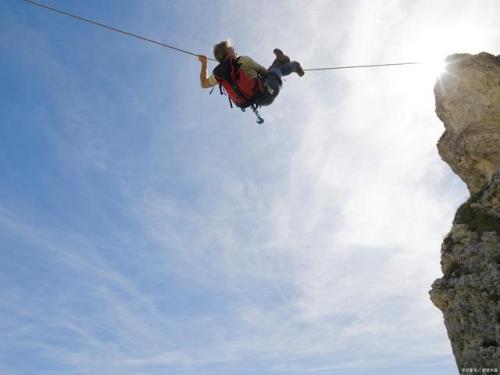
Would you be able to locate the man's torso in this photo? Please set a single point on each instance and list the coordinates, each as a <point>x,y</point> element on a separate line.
<point>247,65</point>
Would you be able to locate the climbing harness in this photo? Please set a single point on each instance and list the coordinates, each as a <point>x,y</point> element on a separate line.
<point>253,105</point>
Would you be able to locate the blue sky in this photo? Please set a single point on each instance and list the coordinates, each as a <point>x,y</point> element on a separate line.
<point>147,228</point>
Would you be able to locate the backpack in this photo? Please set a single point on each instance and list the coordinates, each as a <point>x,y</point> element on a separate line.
<point>240,88</point>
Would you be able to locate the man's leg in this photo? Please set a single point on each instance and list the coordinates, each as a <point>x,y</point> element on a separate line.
<point>282,66</point>
<point>281,58</point>
<point>272,84</point>
<point>287,69</point>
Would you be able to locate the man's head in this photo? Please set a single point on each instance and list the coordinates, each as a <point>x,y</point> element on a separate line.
<point>223,50</point>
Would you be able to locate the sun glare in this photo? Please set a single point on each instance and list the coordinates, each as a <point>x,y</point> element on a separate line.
<point>430,46</point>
<point>434,68</point>
<point>426,73</point>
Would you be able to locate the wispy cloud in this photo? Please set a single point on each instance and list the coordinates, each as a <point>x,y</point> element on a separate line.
<point>197,242</point>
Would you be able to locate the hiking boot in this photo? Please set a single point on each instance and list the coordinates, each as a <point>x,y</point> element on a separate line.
<point>299,69</point>
<point>281,58</point>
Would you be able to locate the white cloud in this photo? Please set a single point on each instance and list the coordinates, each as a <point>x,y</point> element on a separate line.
<point>363,176</point>
<point>314,237</point>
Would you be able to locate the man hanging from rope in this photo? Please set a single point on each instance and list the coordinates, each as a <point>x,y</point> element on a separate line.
<point>247,83</point>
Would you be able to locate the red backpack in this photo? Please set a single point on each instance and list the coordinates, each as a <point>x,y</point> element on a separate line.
<point>240,88</point>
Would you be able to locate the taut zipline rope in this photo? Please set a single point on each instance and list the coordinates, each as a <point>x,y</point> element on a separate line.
<point>363,66</point>
<point>188,52</point>
<point>109,27</point>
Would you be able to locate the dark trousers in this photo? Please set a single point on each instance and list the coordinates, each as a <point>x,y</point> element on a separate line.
<point>272,81</point>
<point>272,84</point>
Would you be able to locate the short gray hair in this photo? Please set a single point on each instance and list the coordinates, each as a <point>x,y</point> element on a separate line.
<point>220,49</point>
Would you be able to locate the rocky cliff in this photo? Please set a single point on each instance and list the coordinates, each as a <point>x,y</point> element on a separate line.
<point>468,294</point>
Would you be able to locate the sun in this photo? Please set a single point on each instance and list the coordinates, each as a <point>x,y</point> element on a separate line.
<point>431,45</point>
<point>434,68</point>
<point>426,73</point>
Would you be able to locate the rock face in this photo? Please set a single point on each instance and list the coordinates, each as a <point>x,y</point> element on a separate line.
<point>468,294</point>
<point>468,103</point>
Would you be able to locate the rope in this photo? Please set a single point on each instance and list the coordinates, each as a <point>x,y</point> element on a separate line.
<point>361,66</point>
<point>111,28</point>
<point>188,52</point>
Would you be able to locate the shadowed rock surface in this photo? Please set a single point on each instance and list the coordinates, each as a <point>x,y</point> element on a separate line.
<point>468,294</point>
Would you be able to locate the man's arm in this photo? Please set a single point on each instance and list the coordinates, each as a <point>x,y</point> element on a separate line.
<point>205,83</point>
